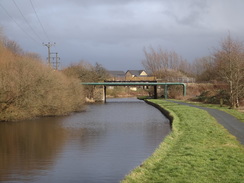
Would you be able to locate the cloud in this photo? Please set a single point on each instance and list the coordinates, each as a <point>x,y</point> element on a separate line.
<point>109,30</point>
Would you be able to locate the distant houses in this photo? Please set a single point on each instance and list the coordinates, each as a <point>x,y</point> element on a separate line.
<point>142,75</point>
<point>135,73</point>
<point>130,75</point>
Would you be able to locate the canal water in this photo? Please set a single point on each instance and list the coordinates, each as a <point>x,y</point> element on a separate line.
<point>102,144</point>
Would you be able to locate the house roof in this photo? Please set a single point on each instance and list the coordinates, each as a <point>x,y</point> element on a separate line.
<point>135,72</point>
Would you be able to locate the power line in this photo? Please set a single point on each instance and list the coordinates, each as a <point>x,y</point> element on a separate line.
<point>48,45</point>
<point>26,20</point>
<point>52,64</point>
<point>39,21</point>
<point>21,28</point>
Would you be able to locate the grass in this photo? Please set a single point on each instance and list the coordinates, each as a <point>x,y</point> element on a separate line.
<point>197,150</point>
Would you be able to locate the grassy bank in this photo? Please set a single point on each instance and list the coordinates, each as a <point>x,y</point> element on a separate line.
<point>197,150</point>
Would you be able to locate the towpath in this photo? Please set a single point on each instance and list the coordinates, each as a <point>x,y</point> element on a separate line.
<point>233,125</point>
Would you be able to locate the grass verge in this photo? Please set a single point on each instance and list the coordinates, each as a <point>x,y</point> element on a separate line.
<point>198,150</point>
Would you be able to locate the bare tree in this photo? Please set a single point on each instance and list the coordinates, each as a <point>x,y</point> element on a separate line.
<point>13,46</point>
<point>230,66</point>
<point>205,69</point>
<point>100,73</point>
<point>161,62</point>
<point>152,62</point>
<point>86,72</point>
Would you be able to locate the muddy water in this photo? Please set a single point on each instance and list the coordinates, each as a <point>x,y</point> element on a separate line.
<point>102,144</point>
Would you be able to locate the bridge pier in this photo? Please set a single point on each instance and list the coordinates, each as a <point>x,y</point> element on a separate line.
<point>165,92</point>
<point>104,94</point>
<point>155,96</point>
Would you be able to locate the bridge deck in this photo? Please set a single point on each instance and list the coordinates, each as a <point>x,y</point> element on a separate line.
<point>154,84</point>
<point>132,84</point>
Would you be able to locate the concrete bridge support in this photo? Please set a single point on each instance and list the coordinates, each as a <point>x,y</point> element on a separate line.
<point>104,93</point>
<point>165,91</point>
<point>155,95</point>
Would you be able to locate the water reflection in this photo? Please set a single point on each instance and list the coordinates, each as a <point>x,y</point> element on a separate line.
<point>26,148</point>
<point>99,145</point>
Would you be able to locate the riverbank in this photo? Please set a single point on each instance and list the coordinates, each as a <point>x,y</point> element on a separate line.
<point>198,150</point>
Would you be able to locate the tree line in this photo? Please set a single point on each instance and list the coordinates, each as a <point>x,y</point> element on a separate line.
<point>225,65</point>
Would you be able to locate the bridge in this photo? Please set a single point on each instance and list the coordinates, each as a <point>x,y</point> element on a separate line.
<point>154,84</point>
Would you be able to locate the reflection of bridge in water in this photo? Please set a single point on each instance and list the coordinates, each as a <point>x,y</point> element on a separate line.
<point>129,83</point>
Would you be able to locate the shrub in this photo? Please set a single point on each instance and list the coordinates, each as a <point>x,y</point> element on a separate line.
<point>28,88</point>
<point>213,97</point>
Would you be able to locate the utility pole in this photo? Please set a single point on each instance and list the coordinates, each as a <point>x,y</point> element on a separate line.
<point>49,45</point>
<point>56,63</point>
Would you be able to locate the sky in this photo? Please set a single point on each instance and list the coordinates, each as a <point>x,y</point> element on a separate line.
<point>114,33</point>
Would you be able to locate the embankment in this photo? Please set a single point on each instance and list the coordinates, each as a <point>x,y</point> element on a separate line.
<point>163,111</point>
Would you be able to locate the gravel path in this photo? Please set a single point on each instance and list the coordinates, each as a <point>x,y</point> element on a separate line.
<point>233,125</point>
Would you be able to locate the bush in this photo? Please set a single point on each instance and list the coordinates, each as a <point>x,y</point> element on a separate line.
<point>28,88</point>
<point>87,73</point>
<point>214,97</point>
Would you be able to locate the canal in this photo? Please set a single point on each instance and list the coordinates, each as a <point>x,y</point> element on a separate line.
<point>102,144</point>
